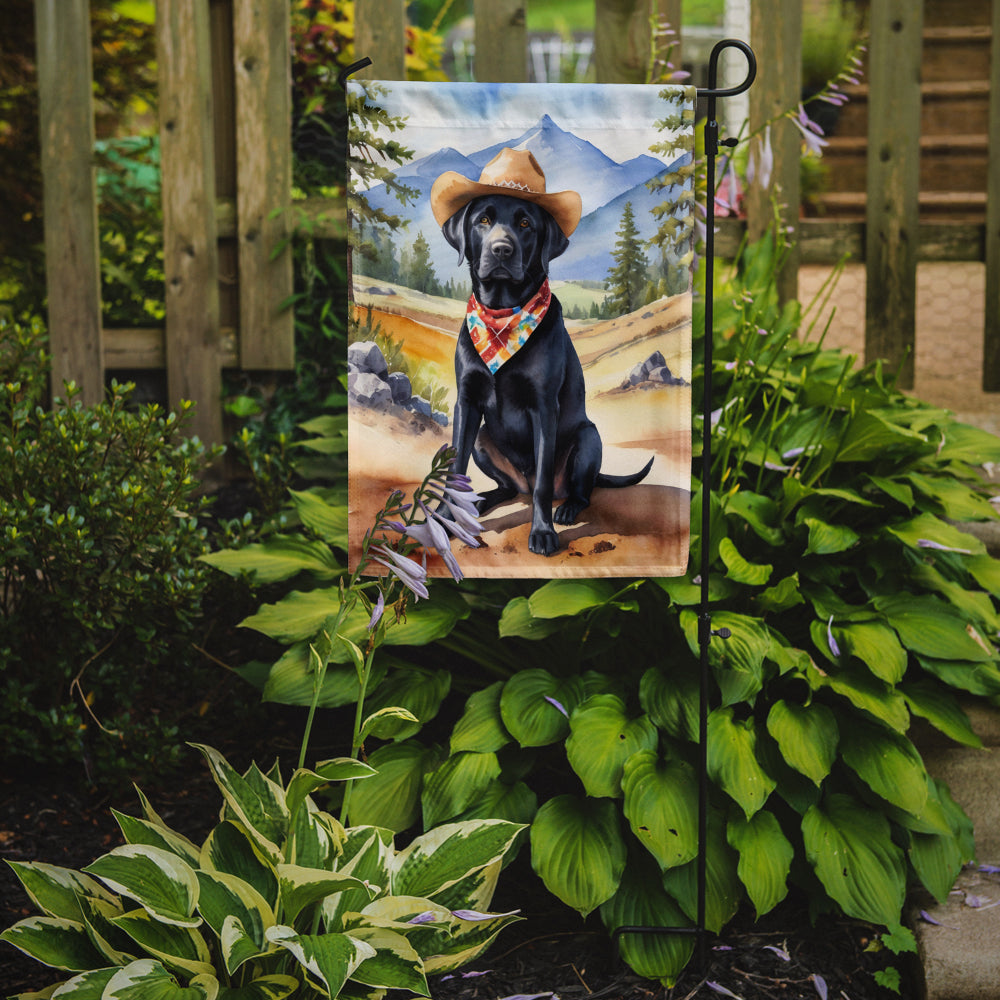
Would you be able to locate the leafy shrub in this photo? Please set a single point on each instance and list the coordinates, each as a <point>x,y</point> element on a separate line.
<point>279,899</point>
<point>855,604</point>
<point>99,539</point>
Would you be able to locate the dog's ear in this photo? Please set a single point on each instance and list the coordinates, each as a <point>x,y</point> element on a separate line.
<point>454,231</point>
<point>554,241</point>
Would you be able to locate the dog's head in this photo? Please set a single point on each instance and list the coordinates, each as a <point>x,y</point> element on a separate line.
<point>508,243</point>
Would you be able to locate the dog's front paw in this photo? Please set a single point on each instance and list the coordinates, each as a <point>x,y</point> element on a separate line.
<point>543,541</point>
<point>568,511</point>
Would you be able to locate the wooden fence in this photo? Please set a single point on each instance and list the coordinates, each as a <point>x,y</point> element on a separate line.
<point>226,162</point>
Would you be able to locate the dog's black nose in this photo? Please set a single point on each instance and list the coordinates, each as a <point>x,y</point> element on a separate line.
<point>501,249</point>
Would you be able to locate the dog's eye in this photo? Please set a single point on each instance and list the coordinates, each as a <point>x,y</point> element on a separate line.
<point>484,220</point>
<point>525,224</point>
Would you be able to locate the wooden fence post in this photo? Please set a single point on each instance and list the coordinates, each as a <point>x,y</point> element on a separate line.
<point>190,251</point>
<point>72,255</point>
<point>991,332</point>
<point>262,60</point>
<point>380,34</point>
<point>622,40</point>
<point>776,35</point>
<point>501,41</point>
<point>893,183</point>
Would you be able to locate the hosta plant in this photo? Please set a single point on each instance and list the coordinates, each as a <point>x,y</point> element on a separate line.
<point>279,900</point>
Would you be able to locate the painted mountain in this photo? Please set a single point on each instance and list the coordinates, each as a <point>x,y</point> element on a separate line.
<point>569,163</point>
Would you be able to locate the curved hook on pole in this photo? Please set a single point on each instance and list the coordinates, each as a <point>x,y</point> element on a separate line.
<point>713,91</point>
<point>347,71</point>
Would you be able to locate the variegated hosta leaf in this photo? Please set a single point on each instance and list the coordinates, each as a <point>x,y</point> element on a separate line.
<point>54,941</point>
<point>888,763</point>
<point>147,979</point>
<point>116,947</point>
<point>807,736</point>
<point>329,959</point>
<point>468,939</point>
<point>456,784</point>
<point>476,890</point>
<point>158,880</point>
<point>304,782</point>
<point>300,887</point>
<point>315,838</point>
<point>367,853</point>
<point>732,760</point>
<point>578,851</point>
<point>765,858</point>
<point>642,902</point>
<point>602,737</point>
<point>723,889</point>
<point>391,799</point>
<point>56,891</point>
<point>225,897</point>
<point>395,964</point>
<point>177,947</point>
<point>850,847</point>
<point>535,706</point>
<point>230,849</point>
<point>256,801</point>
<point>141,831</point>
<point>441,857</point>
<point>87,986</point>
<point>661,805</point>
<point>481,727</point>
<point>274,987</point>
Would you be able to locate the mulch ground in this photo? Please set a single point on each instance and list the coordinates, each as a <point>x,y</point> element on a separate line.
<point>551,953</point>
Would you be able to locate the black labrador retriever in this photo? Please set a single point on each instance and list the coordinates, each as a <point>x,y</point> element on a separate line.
<point>525,425</point>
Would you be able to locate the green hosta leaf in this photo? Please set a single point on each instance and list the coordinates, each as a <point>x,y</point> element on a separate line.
<point>516,803</point>
<point>442,857</point>
<point>928,528</point>
<point>226,898</point>
<point>602,738</point>
<point>758,511</point>
<point>732,760</point>
<point>671,700</point>
<point>456,784</point>
<point>850,848</point>
<point>975,605</point>
<point>159,881</point>
<point>869,436</point>
<point>739,569</point>
<point>391,798</point>
<point>641,901</point>
<point>54,941</point>
<point>956,500</point>
<point>330,959</point>
<point>765,858</point>
<point>828,539</point>
<point>807,736</point>
<point>147,979</point>
<point>275,987</point>
<point>304,782</point>
<point>535,706</point>
<point>976,678</point>
<point>180,948</point>
<point>661,799</point>
<point>941,709</point>
<point>56,891</point>
<point>292,681</point>
<point>683,592</point>
<point>738,661</point>
<point>260,809</point>
<point>937,858</point>
<point>141,831</point>
<point>517,620</point>
<point>723,889</point>
<point>965,443</point>
<point>876,646</point>
<point>418,691</point>
<point>230,849</point>
<point>481,728</point>
<point>931,628</point>
<point>301,887</point>
<point>986,572</point>
<point>783,595</point>
<point>395,964</point>
<point>279,558</point>
<point>866,692</point>
<point>578,851</point>
<point>888,763</point>
<point>559,598</point>
<point>327,520</point>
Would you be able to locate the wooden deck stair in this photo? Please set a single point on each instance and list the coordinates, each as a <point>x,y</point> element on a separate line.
<point>955,92</point>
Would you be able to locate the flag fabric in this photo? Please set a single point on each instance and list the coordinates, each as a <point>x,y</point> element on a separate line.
<point>521,288</point>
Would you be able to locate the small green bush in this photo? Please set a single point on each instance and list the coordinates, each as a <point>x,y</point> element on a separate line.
<point>99,578</point>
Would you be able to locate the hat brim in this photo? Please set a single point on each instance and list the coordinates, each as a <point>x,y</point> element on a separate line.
<point>453,191</point>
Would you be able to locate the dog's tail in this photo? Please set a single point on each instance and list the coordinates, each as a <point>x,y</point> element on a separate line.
<point>617,482</point>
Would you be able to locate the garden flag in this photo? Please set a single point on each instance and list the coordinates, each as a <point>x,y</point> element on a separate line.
<point>521,283</point>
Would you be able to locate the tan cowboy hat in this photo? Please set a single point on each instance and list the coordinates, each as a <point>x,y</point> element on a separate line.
<point>514,172</point>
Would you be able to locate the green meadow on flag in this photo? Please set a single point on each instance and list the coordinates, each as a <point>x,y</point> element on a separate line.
<point>520,269</point>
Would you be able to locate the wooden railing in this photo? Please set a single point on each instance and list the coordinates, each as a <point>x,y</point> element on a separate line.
<point>226,161</point>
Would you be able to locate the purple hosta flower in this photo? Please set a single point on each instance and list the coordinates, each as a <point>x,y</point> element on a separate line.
<point>465,975</point>
<point>927,918</point>
<point>377,611</point>
<point>432,535</point>
<point>989,869</point>
<point>834,648</point>
<point>463,523</point>
<point>719,988</point>
<point>811,132</point>
<point>411,574</point>
<point>427,917</point>
<point>760,166</point>
<point>780,952</point>
<point>927,543</point>
<point>552,701</point>
<point>820,983</point>
<point>475,915</point>
<point>531,996</point>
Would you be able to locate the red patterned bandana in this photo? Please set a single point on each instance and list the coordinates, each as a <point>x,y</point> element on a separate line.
<point>499,333</point>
